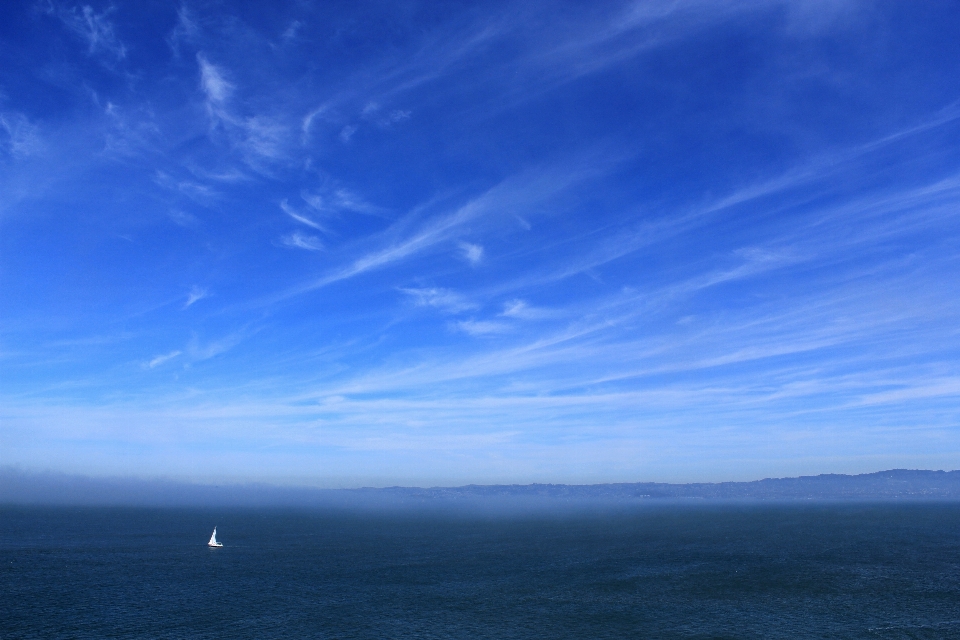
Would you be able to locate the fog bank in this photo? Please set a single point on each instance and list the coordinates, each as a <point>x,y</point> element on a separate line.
<point>24,488</point>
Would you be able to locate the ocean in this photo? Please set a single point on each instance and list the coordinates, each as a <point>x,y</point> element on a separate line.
<point>671,570</point>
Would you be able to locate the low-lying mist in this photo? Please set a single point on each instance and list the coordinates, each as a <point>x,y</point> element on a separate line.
<point>18,487</point>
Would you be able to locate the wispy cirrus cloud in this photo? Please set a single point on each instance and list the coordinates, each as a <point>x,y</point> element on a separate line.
<point>540,260</point>
<point>306,124</point>
<point>333,202</point>
<point>300,217</point>
<point>186,31</point>
<point>398,242</point>
<point>200,193</point>
<point>522,310</point>
<point>443,299</point>
<point>299,240</point>
<point>196,294</point>
<point>198,350</point>
<point>159,360</point>
<point>214,84</point>
<point>19,137</point>
<point>183,218</point>
<point>341,199</point>
<point>555,55</point>
<point>95,29</point>
<point>472,253</point>
<point>265,138</point>
<point>290,33</point>
<point>260,139</point>
<point>481,327</point>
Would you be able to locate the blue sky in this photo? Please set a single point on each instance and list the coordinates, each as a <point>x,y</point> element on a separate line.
<point>373,243</point>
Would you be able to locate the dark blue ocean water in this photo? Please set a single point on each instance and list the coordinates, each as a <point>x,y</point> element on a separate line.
<point>669,571</point>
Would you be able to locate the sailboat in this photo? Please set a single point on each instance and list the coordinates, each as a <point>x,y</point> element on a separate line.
<point>213,540</point>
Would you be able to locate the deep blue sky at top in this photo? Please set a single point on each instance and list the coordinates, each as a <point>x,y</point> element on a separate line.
<point>401,242</point>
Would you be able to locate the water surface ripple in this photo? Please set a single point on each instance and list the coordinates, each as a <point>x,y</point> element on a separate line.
<point>669,571</point>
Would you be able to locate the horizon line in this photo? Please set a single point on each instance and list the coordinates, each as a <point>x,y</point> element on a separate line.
<point>21,488</point>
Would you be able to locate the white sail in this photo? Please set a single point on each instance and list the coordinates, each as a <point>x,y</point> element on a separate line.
<point>213,539</point>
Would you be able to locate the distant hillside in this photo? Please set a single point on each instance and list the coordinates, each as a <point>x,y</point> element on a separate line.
<point>18,487</point>
<point>895,484</point>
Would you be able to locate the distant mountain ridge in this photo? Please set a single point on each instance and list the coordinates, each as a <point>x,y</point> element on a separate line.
<point>18,487</point>
<point>891,484</point>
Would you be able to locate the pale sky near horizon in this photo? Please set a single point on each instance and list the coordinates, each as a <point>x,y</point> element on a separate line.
<point>362,243</point>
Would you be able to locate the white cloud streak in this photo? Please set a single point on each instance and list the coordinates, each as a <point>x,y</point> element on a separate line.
<point>520,191</point>
<point>299,240</point>
<point>196,294</point>
<point>186,31</point>
<point>159,360</point>
<point>183,219</point>
<point>18,136</point>
<point>299,217</point>
<point>261,140</point>
<point>213,82</point>
<point>481,327</point>
<point>93,28</point>
<point>521,310</point>
<point>472,253</point>
<point>442,299</point>
<point>852,344</point>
